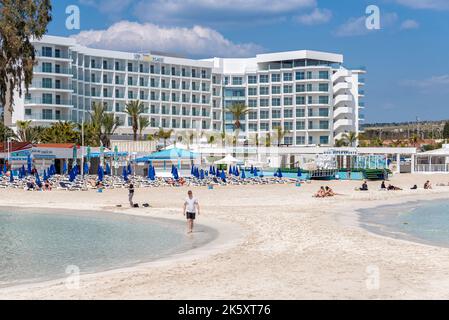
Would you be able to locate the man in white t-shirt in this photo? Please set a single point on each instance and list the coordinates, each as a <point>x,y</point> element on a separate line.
<point>191,208</point>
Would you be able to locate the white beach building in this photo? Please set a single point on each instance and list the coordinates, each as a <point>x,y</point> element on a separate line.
<point>308,93</point>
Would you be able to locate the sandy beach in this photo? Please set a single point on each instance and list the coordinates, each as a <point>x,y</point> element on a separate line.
<point>275,242</point>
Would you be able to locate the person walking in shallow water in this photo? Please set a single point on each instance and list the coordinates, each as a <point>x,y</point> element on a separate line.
<point>191,208</point>
<point>131,195</point>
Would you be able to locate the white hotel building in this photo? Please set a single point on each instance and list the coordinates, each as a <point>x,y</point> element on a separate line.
<point>308,93</point>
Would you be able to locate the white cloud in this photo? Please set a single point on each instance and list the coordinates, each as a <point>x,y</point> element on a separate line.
<point>409,24</point>
<point>357,26</point>
<point>433,82</point>
<point>317,16</point>
<point>426,4</point>
<point>196,41</point>
<point>180,11</point>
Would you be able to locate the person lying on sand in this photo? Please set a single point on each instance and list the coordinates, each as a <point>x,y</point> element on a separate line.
<point>393,188</point>
<point>415,187</point>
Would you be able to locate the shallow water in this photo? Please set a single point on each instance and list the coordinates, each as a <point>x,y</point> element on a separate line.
<point>37,245</point>
<point>425,221</point>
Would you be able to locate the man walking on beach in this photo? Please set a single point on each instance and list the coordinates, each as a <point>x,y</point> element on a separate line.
<point>131,195</point>
<point>191,208</point>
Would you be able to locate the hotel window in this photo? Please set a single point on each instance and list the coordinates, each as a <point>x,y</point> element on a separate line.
<point>264,114</point>
<point>153,122</point>
<point>252,115</point>
<point>47,98</point>
<point>142,82</point>
<point>252,103</point>
<point>47,83</point>
<point>323,112</point>
<point>47,114</point>
<point>151,69</point>
<point>323,100</point>
<point>288,113</point>
<point>47,51</point>
<point>130,81</point>
<point>288,89</point>
<point>237,81</point>
<point>310,140</point>
<point>193,73</point>
<point>203,74</point>
<point>300,75</point>
<point>57,53</point>
<point>92,63</point>
<point>300,88</point>
<point>252,79</point>
<point>323,87</point>
<point>264,91</point>
<point>264,126</point>
<point>309,87</point>
<point>252,91</point>
<point>288,140</point>
<point>105,64</point>
<point>288,126</point>
<point>276,102</point>
<point>164,123</point>
<point>275,125</point>
<point>263,78</point>
<point>105,92</point>
<point>300,125</point>
<point>28,112</point>
<point>324,75</point>
<point>310,112</point>
<point>324,139</point>
<point>324,125</point>
<point>130,95</point>
<point>130,67</point>
<point>117,80</point>
<point>183,72</point>
<point>300,113</point>
<point>142,95</point>
<point>300,100</point>
<point>301,140</point>
<point>288,101</point>
<point>252,127</point>
<point>288,77</point>
<point>184,97</point>
<point>46,67</point>
<point>275,77</point>
<point>264,102</point>
<point>275,90</point>
<point>226,80</point>
<point>276,114</point>
<point>153,95</point>
<point>310,100</point>
<point>153,108</point>
<point>117,65</point>
<point>203,87</point>
<point>309,75</point>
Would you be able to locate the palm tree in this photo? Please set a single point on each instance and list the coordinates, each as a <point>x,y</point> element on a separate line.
<point>6,132</point>
<point>134,109</point>
<point>414,140</point>
<point>102,125</point>
<point>268,140</point>
<point>60,132</point>
<point>28,133</point>
<point>144,123</point>
<point>280,134</point>
<point>351,138</point>
<point>164,135</point>
<point>341,143</point>
<point>238,110</point>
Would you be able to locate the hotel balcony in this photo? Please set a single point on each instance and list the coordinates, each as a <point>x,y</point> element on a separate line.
<point>55,71</point>
<point>340,74</point>
<point>342,86</point>
<point>339,124</point>
<point>343,98</point>
<point>38,85</point>
<point>46,117</point>
<point>54,55</point>
<point>44,102</point>
<point>342,111</point>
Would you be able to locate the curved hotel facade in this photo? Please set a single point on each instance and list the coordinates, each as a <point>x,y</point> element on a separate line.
<point>308,93</point>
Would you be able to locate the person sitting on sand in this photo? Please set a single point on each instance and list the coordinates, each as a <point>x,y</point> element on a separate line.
<point>321,193</point>
<point>47,186</point>
<point>329,192</point>
<point>364,186</point>
<point>30,185</point>
<point>383,186</point>
<point>415,187</point>
<point>427,185</point>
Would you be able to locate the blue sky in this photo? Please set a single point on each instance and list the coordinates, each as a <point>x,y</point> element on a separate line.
<point>407,59</point>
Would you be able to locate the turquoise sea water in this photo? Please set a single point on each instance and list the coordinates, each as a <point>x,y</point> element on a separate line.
<point>37,245</point>
<point>426,221</point>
